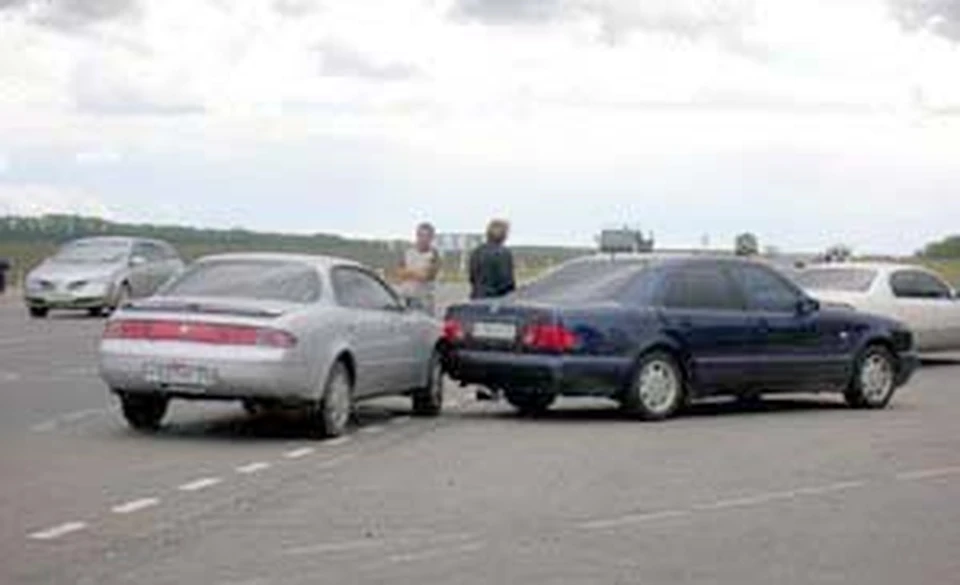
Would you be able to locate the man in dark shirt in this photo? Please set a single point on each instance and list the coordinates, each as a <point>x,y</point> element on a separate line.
<point>491,264</point>
<point>491,275</point>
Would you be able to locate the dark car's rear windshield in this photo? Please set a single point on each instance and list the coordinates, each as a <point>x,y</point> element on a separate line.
<point>293,282</point>
<point>581,280</point>
<point>838,279</point>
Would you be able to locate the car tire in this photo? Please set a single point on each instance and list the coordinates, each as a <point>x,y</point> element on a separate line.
<point>123,295</point>
<point>657,389</point>
<point>39,312</point>
<point>874,379</point>
<point>331,413</point>
<point>97,312</point>
<point>530,403</point>
<point>428,401</point>
<point>144,412</point>
<point>253,407</point>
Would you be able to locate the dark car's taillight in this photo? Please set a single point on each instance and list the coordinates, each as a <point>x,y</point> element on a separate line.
<point>549,338</point>
<point>453,330</point>
<point>210,333</point>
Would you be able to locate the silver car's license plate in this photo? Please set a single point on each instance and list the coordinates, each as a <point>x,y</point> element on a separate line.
<point>497,331</point>
<point>179,375</point>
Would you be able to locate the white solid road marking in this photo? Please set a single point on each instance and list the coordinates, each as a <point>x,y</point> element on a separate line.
<point>338,441</point>
<point>58,531</point>
<point>633,519</point>
<point>44,427</point>
<point>298,453</point>
<point>9,376</point>
<point>436,553</point>
<point>743,502</point>
<point>331,463</point>
<point>253,467</point>
<point>400,420</point>
<point>70,417</point>
<point>336,547</point>
<point>372,430</point>
<point>927,473</point>
<point>200,484</point>
<point>135,506</point>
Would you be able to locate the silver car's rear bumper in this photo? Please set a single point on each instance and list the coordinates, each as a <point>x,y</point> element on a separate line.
<point>238,372</point>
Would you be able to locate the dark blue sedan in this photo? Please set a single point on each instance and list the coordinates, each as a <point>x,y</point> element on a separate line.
<point>655,332</point>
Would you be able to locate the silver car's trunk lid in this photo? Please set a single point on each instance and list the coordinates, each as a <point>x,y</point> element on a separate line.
<point>208,309</point>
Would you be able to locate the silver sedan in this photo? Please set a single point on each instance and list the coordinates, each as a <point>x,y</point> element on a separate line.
<point>98,274</point>
<point>272,330</point>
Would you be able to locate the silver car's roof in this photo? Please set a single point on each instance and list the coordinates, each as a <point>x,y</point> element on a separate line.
<point>319,261</point>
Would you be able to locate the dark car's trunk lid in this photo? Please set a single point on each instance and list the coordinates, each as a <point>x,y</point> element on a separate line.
<point>495,325</point>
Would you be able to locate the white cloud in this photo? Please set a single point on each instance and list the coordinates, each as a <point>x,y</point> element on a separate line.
<point>31,199</point>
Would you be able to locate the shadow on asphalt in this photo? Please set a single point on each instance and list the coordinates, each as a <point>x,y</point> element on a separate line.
<point>569,413</point>
<point>273,426</point>
<point>939,362</point>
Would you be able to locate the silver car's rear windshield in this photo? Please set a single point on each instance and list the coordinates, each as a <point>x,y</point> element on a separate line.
<point>292,282</point>
<point>93,252</point>
<point>583,280</point>
<point>838,279</point>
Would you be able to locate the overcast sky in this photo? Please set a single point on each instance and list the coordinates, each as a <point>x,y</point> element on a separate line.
<point>807,121</point>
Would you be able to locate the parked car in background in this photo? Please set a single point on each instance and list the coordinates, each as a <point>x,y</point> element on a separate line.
<point>654,332</point>
<point>917,296</point>
<point>99,274</point>
<point>272,331</point>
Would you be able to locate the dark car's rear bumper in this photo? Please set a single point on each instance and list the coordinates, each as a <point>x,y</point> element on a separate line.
<point>908,363</point>
<point>558,374</point>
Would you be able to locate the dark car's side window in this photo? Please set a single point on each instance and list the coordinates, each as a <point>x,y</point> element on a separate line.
<point>765,290</point>
<point>148,251</point>
<point>916,284</point>
<point>699,287</point>
<point>357,289</point>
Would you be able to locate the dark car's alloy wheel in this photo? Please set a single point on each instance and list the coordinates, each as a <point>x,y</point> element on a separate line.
<point>530,403</point>
<point>144,412</point>
<point>331,413</point>
<point>657,391</point>
<point>874,379</point>
<point>428,401</point>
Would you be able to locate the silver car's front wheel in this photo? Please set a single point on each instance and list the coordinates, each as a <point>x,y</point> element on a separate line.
<point>331,414</point>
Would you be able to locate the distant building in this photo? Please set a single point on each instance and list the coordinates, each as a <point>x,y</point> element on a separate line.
<point>624,241</point>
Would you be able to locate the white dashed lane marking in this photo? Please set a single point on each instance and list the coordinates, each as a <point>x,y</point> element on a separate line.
<point>633,519</point>
<point>253,467</point>
<point>58,531</point>
<point>299,453</point>
<point>331,463</point>
<point>135,506</point>
<point>338,441</point>
<point>400,420</point>
<point>200,484</point>
<point>373,430</point>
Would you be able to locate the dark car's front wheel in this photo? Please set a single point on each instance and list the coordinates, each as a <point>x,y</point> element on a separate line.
<point>874,379</point>
<point>657,390</point>
<point>530,403</point>
<point>144,412</point>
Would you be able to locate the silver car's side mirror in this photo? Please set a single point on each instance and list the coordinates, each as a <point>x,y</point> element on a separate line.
<point>137,261</point>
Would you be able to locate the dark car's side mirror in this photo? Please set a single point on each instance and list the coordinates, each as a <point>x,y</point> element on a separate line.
<point>806,306</point>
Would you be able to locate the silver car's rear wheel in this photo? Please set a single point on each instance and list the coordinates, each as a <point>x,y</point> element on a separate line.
<point>331,414</point>
<point>428,401</point>
<point>144,412</point>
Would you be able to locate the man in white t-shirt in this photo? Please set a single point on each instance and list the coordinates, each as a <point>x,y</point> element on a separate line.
<point>421,265</point>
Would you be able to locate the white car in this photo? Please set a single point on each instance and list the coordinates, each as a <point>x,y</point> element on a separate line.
<point>916,296</point>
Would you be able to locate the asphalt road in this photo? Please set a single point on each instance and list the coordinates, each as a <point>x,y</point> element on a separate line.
<point>798,491</point>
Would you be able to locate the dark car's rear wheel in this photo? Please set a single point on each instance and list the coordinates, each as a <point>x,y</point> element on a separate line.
<point>530,403</point>
<point>428,401</point>
<point>144,412</point>
<point>657,390</point>
<point>330,415</point>
<point>874,379</point>
<point>39,312</point>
